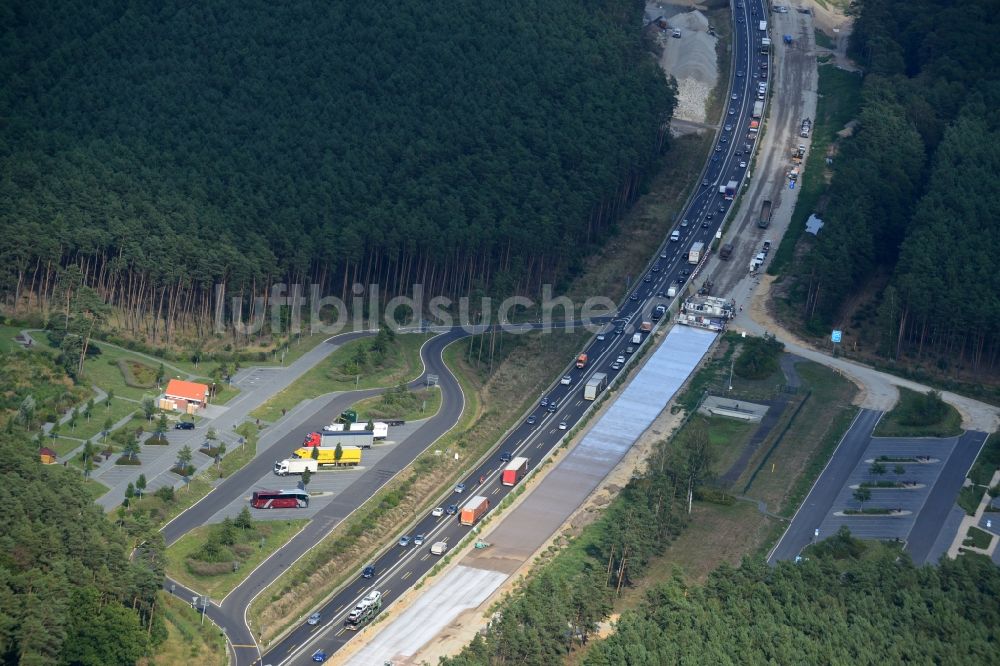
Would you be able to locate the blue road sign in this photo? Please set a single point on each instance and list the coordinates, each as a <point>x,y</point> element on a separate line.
<point>835,336</point>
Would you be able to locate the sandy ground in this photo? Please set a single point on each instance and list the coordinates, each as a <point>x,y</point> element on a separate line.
<point>458,634</point>
<point>691,59</point>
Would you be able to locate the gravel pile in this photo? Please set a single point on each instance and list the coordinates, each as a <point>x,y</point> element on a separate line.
<point>692,61</point>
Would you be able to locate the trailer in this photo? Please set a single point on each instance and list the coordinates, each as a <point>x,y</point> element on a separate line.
<point>514,471</point>
<point>360,438</point>
<point>597,383</point>
<point>473,510</point>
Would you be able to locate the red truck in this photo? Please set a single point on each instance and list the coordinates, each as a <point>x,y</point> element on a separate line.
<point>514,471</point>
<point>473,510</point>
<point>581,361</point>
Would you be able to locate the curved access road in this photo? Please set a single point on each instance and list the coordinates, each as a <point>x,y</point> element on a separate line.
<point>229,613</point>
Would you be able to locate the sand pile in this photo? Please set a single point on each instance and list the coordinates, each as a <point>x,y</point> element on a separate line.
<point>692,61</point>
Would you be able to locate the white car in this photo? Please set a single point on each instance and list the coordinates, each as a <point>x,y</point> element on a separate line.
<point>616,366</point>
<point>600,336</point>
<point>438,512</point>
<point>562,425</point>
<point>620,359</point>
<point>566,380</point>
<point>743,165</point>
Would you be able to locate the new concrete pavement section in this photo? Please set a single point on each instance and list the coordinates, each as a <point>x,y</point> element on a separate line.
<point>933,519</point>
<point>829,484</point>
<point>547,506</point>
<point>230,614</point>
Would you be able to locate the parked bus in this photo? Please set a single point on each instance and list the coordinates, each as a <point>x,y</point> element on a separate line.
<point>279,499</point>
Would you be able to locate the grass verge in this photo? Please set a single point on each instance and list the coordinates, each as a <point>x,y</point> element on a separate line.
<point>189,641</point>
<point>401,364</point>
<point>839,102</point>
<point>978,538</point>
<point>267,536</point>
<point>420,404</point>
<point>809,441</point>
<point>898,422</point>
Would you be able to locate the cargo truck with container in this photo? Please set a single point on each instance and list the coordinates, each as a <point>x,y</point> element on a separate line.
<point>594,386</point>
<point>694,254</point>
<point>380,430</point>
<point>360,438</point>
<point>473,510</point>
<point>326,456</point>
<point>765,214</point>
<point>758,109</point>
<point>514,471</point>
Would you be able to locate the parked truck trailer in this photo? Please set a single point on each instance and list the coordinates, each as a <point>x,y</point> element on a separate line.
<point>326,456</point>
<point>360,438</point>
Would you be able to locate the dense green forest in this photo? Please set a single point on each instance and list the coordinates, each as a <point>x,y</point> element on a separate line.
<point>167,147</point>
<point>912,201</point>
<point>850,603</point>
<point>68,592</point>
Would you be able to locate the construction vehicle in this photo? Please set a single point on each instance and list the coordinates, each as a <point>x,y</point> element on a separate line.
<point>765,214</point>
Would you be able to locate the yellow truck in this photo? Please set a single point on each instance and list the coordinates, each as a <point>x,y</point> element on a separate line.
<point>303,459</point>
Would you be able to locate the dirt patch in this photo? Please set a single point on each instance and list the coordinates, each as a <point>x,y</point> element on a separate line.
<point>690,59</point>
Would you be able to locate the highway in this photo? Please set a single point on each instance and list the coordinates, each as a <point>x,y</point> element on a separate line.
<point>399,567</point>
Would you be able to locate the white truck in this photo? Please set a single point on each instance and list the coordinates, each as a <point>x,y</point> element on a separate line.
<point>295,466</point>
<point>694,254</point>
<point>380,430</point>
<point>758,109</point>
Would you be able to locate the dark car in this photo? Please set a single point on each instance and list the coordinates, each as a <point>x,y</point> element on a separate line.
<point>545,401</point>
<point>506,456</point>
<point>685,272</point>
<point>319,656</point>
<point>633,297</point>
<point>648,278</point>
<point>704,183</point>
<point>710,216</point>
<point>184,425</point>
<point>451,510</point>
<point>552,407</point>
<point>532,419</point>
<point>619,330</point>
<point>739,73</point>
<point>368,572</point>
<point>682,279</point>
<point>656,268</point>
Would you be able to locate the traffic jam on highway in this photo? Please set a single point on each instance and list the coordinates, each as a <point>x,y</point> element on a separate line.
<point>412,554</point>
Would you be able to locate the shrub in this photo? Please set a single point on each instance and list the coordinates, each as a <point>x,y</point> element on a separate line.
<point>165,494</point>
<point>758,357</point>
<point>125,460</point>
